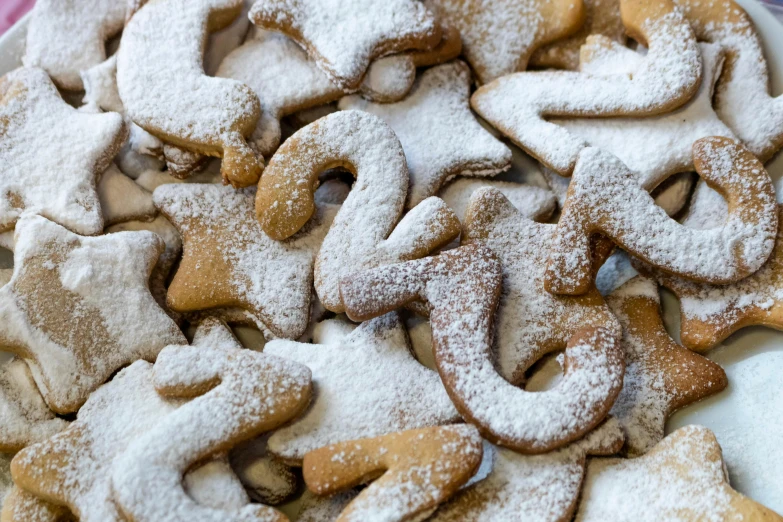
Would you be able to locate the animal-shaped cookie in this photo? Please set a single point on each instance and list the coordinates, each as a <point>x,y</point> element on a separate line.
<point>355,397</point>
<point>742,98</point>
<point>365,232</point>
<point>229,261</point>
<point>605,198</point>
<point>211,116</point>
<point>344,37</point>
<point>236,394</point>
<point>681,478</point>
<point>660,376</point>
<point>25,416</point>
<point>499,36</point>
<point>530,321</point>
<point>462,288</point>
<point>65,308</point>
<point>66,38</point>
<point>531,487</point>
<point>669,76</point>
<point>439,134</point>
<point>418,470</point>
<point>52,154</point>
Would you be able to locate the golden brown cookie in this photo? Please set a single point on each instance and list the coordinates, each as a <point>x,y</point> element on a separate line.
<point>416,470</point>
<point>365,232</point>
<point>605,198</point>
<point>21,506</point>
<point>682,478</point>
<point>499,36</point>
<point>462,288</point>
<point>162,53</point>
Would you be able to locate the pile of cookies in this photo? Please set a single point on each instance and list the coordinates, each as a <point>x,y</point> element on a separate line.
<point>332,174</point>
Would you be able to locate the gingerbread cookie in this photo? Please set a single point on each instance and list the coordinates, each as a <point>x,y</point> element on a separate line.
<point>168,35</point>
<point>531,487</point>
<point>344,37</point>
<point>25,416</point>
<point>602,17</point>
<point>439,134</point>
<point>462,288</point>
<point>64,308</point>
<point>660,376</point>
<point>235,395</point>
<point>499,36</point>
<point>229,261</point>
<point>355,396</point>
<point>122,199</point>
<point>530,321</point>
<point>742,97</point>
<point>52,154</point>
<point>669,76</point>
<point>418,469</point>
<point>65,38</point>
<point>365,232</point>
<point>682,478</point>
<point>604,198</point>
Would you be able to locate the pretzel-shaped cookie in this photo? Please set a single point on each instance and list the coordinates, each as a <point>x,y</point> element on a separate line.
<point>162,84</point>
<point>604,197</point>
<point>239,394</point>
<point>363,234</point>
<point>462,289</point>
<point>669,76</point>
<point>417,469</point>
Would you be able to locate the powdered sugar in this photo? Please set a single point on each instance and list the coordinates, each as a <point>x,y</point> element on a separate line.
<point>266,479</point>
<point>355,393</point>
<point>439,134</point>
<point>122,199</point>
<point>533,202</point>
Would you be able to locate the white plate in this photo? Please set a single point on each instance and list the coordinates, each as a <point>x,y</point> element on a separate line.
<point>748,416</point>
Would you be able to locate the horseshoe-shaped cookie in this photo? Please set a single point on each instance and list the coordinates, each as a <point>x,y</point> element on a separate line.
<point>462,289</point>
<point>604,198</point>
<point>418,470</point>
<point>668,77</point>
<point>161,81</point>
<point>363,234</point>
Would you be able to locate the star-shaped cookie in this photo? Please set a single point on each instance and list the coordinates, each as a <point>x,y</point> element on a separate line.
<point>439,134</point>
<point>345,36</point>
<point>530,321</point>
<point>79,308</point>
<point>355,395</point>
<point>531,487</point>
<point>499,36</point>
<point>660,376</point>
<point>51,154</point>
<point>230,262</point>
<point>682,478</point>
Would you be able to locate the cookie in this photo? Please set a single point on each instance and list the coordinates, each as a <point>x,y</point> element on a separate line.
<point>344,37</point>
<point>533,202</point>
<point>225,41</point>
<point>65,38</point>
<point>682,478</point>
<point>418,469</point>
<point>21,506</point>
<point>169,35</point>
<point>530,321</point>
<point>122,199</point>
<point>26,417</point>
<point>229,262</point>
<point>499,36</point>
<point>462,289</point>
<point>65,310</point>
<point>602,17</point>
<point>365,232</point>
<point>214,484</point>
<point>660,376</point>
<point>669,76</point>
<point>266,479</point>
<point>52,154</point>
<point>355,397</point>
<point>439,134</point>
<point>531,487</point>
<point>235,395</point>
<point>742,98</point>
<point>604,198</point>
